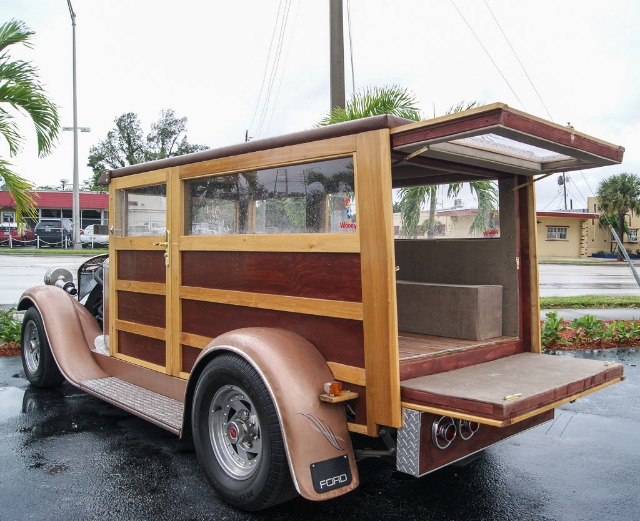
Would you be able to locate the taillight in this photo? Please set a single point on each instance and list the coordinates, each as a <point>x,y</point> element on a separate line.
<point>466,428</point>
<point>443,431</point>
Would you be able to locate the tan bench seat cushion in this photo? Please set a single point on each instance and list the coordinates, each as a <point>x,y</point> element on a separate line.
<point>450,310</point>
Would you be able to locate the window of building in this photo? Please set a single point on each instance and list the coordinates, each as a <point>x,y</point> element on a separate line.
<point>8,217</point>
<point>313,197</point>
<point>632,236</point>
<point>557,232</point>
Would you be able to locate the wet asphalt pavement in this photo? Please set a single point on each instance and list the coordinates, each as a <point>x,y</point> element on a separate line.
<point>65,455</point>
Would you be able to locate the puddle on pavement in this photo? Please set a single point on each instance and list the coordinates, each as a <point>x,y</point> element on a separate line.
<point>10,402</point>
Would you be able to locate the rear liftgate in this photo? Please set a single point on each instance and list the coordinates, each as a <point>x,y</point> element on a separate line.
<point>448,416</point>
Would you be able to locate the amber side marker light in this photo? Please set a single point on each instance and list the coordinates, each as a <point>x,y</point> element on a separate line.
<point>334,393</point>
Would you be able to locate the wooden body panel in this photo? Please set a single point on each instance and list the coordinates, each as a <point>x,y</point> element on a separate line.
<point>337,339</point>
<point>295,274</point>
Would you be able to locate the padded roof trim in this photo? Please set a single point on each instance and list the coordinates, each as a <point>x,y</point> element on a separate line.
<point>307,136</point>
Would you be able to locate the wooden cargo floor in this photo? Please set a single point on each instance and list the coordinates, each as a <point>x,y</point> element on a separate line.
<point>424,354</point>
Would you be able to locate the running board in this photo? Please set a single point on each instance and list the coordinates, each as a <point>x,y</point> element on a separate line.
<point>158,409</point>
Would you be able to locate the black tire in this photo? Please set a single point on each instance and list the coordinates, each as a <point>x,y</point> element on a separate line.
<point>237,436</point>
<point>40,367</point>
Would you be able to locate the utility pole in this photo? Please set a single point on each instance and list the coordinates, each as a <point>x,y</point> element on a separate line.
<point>336,54</point>
<point>564,187</point>
<point>76,182</point>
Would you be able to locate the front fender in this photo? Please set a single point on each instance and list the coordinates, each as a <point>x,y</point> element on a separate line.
<point>70,330</point>
<point>294,372</point>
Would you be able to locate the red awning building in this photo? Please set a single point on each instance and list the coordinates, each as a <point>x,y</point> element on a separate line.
<point>94,207</point>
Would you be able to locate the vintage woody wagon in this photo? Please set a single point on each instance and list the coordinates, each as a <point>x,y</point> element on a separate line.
<point>256,298</point>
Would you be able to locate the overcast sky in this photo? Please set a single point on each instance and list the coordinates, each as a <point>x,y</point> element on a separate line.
<point>207,60</point>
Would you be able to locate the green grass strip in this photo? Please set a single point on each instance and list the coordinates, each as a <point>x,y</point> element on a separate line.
<point>590,301</point>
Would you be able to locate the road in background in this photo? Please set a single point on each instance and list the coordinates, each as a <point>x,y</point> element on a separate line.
<point>566,280</point>
<point>19,272</point>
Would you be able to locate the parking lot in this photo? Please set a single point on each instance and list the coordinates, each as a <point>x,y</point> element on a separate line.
<point>66,455</point>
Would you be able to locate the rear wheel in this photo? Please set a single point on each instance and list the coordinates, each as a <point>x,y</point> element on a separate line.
<point>40,367</point>
<point>237,436</point>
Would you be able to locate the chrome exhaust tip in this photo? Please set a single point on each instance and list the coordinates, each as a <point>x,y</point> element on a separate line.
<point>443,431</point>
<point>467,428</point>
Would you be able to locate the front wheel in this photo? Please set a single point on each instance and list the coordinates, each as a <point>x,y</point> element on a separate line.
<point>40,367</point>
<point>237,436</point>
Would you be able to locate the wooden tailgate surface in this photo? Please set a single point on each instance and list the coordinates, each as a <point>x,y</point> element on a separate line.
<point>511,387</point>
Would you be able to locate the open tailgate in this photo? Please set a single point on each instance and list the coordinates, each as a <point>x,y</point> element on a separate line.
<point>508,390</point>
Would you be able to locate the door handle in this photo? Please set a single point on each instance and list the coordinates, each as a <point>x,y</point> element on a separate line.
<point>166,245</point>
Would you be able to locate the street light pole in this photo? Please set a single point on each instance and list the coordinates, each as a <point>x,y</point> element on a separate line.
<point>75,212</point>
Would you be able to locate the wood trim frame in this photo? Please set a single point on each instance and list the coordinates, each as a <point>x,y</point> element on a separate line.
<point>294,242</point>
<point>115,285</point>
<point>380,321</point>
<point>140,329</point>
<point>317,150</point>
<point>153,288</point>
<point>308,306</point>
<point>175,225</point>
<point>529,283</point>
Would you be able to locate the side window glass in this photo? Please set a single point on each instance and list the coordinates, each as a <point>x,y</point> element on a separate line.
<point>313,197</point>
<point>468,210</point>
<point>142,211</point>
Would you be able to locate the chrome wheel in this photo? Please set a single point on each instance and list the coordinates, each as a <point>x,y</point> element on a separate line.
<point>31,347</point>
<point>234,432</point>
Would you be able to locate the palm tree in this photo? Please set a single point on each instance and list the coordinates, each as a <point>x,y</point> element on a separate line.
<point>412,198</point>
<point>618,195</point>
<point>21,91</point>
<point>375,101</point>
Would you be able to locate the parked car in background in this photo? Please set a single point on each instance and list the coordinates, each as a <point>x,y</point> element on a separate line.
<point>17,232</point>
<point>95,235</point>
<point>147,228</point>
<point>54,232</point>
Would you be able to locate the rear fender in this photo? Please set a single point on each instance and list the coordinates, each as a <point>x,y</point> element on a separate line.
<point>314,432</point>
<point>70,330</point>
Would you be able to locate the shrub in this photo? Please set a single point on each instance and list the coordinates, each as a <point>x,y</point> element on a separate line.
<point>9,326</point>
<point>551,330</point>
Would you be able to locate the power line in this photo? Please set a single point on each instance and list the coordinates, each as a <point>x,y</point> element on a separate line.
<point>284,66</point>
<point>518,59</point>
<point>274,68</point>
<point>489,55</point>
<point>266,66</point>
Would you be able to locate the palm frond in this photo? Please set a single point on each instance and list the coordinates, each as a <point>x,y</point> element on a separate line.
<point>411,201</point>
<point>375,101</point>
<point>487,194</point>
<point>21,89</point>
<point>18,188</point>
<point>15,31</point>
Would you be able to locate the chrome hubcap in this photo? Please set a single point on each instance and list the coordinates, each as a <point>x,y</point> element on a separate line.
<point>234,431</point>
<point>31,347</point>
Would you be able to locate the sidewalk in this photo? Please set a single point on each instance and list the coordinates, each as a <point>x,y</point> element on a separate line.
<point>600,314</point>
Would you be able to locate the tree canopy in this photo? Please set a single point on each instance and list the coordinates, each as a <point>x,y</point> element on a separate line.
<point>22,92</point>
<point>126,144</point>
<point>619,195</point>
